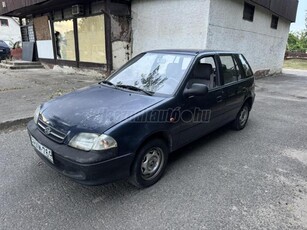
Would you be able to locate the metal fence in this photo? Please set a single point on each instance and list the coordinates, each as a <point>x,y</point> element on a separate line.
<point>293,55</point>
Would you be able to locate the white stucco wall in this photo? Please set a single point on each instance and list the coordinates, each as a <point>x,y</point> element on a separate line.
<point>263,46</point>
<point>10,34</point>
<point>166,24</point>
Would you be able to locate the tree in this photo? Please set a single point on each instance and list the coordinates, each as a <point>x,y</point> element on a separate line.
<point>297,42</point>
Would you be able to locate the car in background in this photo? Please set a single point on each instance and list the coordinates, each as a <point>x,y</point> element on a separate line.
<point>5,51</point>
<point>126,126</point>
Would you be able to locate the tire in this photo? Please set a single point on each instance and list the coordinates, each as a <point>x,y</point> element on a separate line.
<point>149,164</point>
<point>242,117</point>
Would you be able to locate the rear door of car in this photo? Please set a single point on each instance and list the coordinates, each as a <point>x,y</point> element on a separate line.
<point>232,84</point>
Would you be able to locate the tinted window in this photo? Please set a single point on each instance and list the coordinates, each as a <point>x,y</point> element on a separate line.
<point>246,68</point>
<point>229,69</point>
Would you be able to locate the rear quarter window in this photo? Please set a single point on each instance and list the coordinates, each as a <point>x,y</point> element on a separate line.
<point>245,66</point>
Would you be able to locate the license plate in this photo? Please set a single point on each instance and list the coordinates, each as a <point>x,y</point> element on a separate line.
<point>42,149</point>
<point>1,51</point>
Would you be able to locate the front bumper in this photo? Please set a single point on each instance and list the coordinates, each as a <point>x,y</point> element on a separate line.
<point>88,168</point>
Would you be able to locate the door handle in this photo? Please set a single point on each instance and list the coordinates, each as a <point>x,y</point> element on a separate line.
<point>219,99</point>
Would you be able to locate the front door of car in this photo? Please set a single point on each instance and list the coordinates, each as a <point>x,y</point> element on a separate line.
<point>200,114</point>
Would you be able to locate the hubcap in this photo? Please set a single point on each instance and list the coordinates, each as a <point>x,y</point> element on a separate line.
<point>243,116</point>
<point>152,163</point>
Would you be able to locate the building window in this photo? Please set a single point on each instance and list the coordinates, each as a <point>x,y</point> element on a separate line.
<point>274,23</point>
<point>65,40</point>
<point>248,13</point>
<point>91,34</point>
<point>4,22</point>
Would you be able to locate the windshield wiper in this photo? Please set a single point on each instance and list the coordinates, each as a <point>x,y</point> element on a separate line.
<point>134,88</point>
<point>108,83</point>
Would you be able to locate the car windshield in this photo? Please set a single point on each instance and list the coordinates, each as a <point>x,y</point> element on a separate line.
<point>154,73</point>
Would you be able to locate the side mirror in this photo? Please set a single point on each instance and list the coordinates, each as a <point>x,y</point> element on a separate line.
<point>196,89</point>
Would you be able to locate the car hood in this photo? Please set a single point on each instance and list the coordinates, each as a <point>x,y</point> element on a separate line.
<point>96,108</point>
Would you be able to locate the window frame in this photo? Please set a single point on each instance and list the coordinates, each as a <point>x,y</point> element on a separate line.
<point>274,22</point>
<point>234,64</point>
<point>217,70</point>
<point>78,35</point>
<point>77,63</point>
<point>248,12</point>
<point>242,68</point>
<point>53,30</point>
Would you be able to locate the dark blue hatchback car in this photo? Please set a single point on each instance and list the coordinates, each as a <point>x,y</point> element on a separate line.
<point>126,126</point>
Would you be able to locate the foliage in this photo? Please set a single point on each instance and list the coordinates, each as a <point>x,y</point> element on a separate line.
<point>153,81</point>
<point>297,42</point>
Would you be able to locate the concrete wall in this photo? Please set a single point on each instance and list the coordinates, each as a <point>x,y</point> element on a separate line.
<point>10,34</point>
<point>263,46</point>
<point>160,24</point>
<point>121,40</point>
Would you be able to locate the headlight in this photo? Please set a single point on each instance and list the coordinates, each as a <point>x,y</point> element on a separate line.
<point>92,141</point>
<point>36,114</point>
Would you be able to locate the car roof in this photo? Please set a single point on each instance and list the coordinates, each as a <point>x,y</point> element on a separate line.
<point>192,51</point>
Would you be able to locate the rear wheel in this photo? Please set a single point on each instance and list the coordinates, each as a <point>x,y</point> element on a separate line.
<point>149,164</point>
<point>242,118</point>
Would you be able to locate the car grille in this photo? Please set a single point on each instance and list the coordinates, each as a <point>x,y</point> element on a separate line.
<point>51,132</point>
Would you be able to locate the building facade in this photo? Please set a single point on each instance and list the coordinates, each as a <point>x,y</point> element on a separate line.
<point>108,33</point>
<point>235,25</point>
<point>9,30</point>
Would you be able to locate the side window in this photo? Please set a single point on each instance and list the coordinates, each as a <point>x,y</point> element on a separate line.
<point>229,69</point>
<point>246,68</point>
<point>205,72</point>
<point>238,69</point>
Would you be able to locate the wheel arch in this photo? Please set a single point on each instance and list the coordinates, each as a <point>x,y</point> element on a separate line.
<point>249,101</point>
<point>162,135</point>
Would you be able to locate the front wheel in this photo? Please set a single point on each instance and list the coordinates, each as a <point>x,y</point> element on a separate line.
<point>149,164</point>
<point>242,118</point>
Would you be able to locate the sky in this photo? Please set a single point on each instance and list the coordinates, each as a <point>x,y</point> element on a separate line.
<point>300,17</point>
